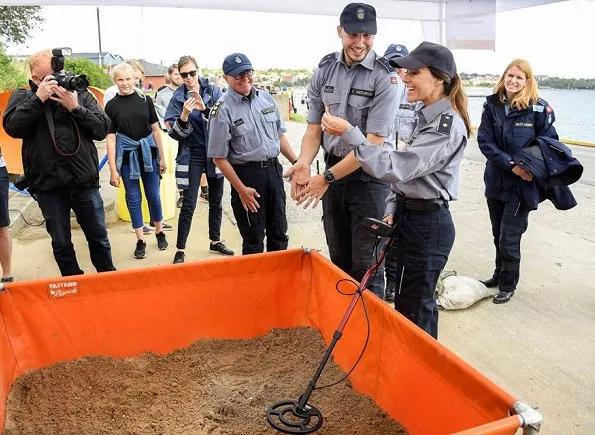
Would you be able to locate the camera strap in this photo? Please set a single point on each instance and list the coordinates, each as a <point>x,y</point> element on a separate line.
<point>50,120</point>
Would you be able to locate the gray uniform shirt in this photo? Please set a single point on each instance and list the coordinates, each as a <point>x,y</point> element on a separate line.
<point>428,168</point>
<point>245,129</point>
<point>365,95</point>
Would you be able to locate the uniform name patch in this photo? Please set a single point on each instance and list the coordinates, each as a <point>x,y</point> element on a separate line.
<point>523,124</point>
<point>329,89</point>
<point>215,109</point>
<point>268,110</point>
<point>238,122</point>
<point>407,106</point>
<point>445,124</point>
<point>362,92</point>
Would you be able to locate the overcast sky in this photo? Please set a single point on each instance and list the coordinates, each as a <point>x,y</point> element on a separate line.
<point>557,38</point>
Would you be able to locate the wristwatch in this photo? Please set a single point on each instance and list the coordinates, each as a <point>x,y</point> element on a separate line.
<point>329,177</point>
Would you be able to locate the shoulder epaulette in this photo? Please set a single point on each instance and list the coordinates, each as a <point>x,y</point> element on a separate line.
<point>326,59</point>
<point>215,109</point>
<point>445,123</point>
<point>384,62</point>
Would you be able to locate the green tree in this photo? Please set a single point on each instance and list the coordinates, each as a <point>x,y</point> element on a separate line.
<point>17,22</point>
<point>96,76</point>
<point>12,74</point>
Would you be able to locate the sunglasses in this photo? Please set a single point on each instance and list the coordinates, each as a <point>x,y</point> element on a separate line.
<point>247,73</point>
<point>189,73</point>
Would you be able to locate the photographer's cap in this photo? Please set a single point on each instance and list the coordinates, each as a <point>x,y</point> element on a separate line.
<point>236,63</point>
<point>428,54</point>
<point>358,18</point>
<point>395,50</point>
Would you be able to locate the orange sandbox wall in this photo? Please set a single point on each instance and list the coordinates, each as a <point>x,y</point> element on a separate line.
<point>414,378</point>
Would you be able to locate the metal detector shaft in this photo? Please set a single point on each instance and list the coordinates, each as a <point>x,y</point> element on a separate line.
<point>339,331</point>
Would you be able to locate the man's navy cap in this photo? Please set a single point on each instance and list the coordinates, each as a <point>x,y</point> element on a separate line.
<point>396,50</point>
<point>428,54</point>
<point>236,63</point>
<point>358,18</point>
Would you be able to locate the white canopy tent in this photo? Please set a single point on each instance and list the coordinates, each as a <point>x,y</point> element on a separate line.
<point>436,16</point>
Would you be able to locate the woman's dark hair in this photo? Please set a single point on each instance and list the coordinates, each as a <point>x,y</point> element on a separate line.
<point>456,94</point>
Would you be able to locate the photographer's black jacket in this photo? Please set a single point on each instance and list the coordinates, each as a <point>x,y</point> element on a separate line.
<point>45,167</point>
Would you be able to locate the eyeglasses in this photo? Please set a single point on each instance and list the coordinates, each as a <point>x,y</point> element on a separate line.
<point>243,75</point>
<point>189,73</point>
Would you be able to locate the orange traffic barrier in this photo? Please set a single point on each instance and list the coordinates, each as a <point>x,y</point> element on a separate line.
<point>11,148</point>
<point>414,378</point>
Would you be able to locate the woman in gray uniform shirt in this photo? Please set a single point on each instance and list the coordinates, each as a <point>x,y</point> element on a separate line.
<point>423,174</point>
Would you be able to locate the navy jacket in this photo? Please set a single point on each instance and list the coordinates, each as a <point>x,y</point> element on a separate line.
<point>500,136</point>
<point>553,168</point>
<point>195,134</point>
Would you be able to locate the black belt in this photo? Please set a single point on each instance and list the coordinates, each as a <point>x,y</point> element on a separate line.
<point>264,164</point>
<point>426,205</point>
<point>331,160</point>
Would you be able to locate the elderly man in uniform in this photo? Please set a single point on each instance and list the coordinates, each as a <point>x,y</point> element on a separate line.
<point>361,87</point>
<point>246,134</point>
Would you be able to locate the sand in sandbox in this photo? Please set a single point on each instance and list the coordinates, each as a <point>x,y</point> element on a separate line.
<point>213,387</point>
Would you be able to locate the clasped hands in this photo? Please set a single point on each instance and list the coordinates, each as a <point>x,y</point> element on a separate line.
<point>309,190</point>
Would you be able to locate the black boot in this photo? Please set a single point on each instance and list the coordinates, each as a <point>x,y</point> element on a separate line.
<point>503,297</point>
<point>489,283</point>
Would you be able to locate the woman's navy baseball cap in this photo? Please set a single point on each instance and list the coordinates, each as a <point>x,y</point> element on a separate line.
<point>429,54</point>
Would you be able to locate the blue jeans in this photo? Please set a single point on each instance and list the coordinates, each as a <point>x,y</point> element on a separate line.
<point>345,205</point>
<point>87,205</point>
<point>134,197</point>
<point>198,165</point>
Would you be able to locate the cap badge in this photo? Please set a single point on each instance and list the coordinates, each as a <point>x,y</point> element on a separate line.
<point>361,14</point>
<point>238,59</point>
<point>399,48</point>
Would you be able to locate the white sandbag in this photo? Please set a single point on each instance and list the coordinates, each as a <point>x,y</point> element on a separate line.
<point>456,292</point>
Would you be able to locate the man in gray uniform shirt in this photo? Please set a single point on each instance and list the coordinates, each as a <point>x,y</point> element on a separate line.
<point>246,134</point>
<point>357,85</point>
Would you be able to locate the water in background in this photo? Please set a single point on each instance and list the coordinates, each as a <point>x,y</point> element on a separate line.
<point>574,109</point>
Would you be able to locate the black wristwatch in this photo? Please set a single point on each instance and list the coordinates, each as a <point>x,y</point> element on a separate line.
<point>329,177</point>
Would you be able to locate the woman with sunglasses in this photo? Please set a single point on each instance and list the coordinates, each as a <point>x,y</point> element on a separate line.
<point>187,114</point>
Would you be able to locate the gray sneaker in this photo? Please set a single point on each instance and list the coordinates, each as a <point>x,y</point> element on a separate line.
<point>141,249</point>
<point>161,241</point>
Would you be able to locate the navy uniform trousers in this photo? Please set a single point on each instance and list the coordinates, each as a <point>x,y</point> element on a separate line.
<point>509,221</point>
<point>351,247</point>
<point>421,248</point>
<point>270,219</point>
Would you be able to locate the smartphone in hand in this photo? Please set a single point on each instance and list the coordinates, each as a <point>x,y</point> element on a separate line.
<point>190,95</point>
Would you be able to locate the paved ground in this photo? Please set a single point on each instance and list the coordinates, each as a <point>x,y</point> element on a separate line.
<point>540,346</point>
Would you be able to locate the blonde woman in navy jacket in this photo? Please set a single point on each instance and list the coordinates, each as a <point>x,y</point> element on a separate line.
<point>512,118</point>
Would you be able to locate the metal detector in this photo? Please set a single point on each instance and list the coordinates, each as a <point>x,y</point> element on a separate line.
<point>298,416</point>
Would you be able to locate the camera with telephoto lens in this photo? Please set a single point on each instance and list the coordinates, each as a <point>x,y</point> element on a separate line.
<point>67,79</point>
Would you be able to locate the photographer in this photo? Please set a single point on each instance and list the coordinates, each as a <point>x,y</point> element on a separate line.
<point>58,127</point>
